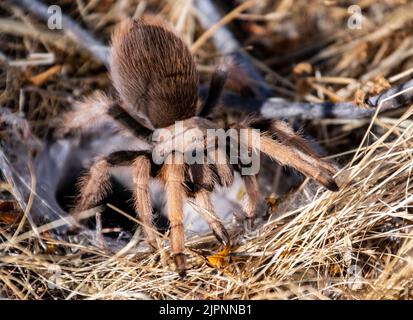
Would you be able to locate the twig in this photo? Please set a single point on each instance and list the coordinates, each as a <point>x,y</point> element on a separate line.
<point>70,28</point>
<point>17,28</point>
<point>226,43</point>
<point>278,108</point>
<point>99,234</point>
<point>219,24</point>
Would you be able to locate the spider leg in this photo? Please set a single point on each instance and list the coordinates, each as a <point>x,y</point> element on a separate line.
<point>201,179</point>
<point>123,117</point>
<point>206,209</point>
<point>289,155</point>
<point>284,133</point>
<point>94,186</point>
<point>143,205</point>
<point>252,200</point>
<point>287,135</point>
<point>173,175</point>
<point>96,111</point>
<point>223,168</point>
<point>216,86</point>
<point>85,115</point>
<point>306,163</point>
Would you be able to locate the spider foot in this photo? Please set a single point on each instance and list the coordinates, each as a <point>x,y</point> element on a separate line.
<point>249,224</point>
<point>221,233</point>
<point>180,264</point>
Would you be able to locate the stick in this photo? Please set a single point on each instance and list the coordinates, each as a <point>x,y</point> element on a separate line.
<point>277,108</point>
<point>227,44</point>
<point>213,29</point>
<point>70,28</point>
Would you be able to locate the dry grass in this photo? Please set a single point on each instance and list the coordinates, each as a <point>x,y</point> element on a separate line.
<point>354,244</point>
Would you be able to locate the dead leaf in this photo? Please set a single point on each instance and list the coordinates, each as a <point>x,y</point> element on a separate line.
<point>41,78</point>
<point>303,68</point>
<point>359,98</point>
<point>272,203</point>
<point>380,83</point>
<point>9,212</point>
<point>221,259</point>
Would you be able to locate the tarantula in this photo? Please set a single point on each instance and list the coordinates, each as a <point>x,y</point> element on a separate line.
<point>156,80</point>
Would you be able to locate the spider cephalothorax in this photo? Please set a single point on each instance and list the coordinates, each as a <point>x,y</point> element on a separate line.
<point>157,82</point>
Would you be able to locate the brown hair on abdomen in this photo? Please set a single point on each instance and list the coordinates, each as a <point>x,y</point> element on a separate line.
<point>154,72</point>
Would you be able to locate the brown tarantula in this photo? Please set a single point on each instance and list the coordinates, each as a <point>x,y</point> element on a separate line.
<point>155,76</point>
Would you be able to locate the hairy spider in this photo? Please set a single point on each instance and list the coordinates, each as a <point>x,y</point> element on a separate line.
<point>156,79</point>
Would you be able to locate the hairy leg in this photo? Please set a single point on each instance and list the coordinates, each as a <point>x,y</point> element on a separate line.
<point>85,115</point>
<point>206,209</point>
<point>307,164</point>
<point>253,197</point>
<point>224,170</point>
<point>289,154</point>
<point>288,137</point>
<point>172,174</point>
<point>124,118</point>
<point>216,86</point>
<point>94,186</point>
<point>143,205</point>
<point>95,111</point>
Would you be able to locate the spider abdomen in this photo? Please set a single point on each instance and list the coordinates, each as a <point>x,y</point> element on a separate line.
<point>154,72</point>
